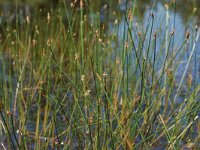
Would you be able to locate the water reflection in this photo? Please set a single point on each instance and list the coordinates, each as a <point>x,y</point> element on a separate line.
<point>184,8</point>
<point>185,12</point>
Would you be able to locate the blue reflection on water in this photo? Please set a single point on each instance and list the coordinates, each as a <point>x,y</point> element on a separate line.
<point>160,26</point>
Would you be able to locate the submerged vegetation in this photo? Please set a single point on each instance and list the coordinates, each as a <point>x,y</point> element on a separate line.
<point>86,76</point>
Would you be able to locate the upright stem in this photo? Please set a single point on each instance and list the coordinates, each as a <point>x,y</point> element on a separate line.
<point>81,33</point>
<point>188,62</point>
<point>166,45</point>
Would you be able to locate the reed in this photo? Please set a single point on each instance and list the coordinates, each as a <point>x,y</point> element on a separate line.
<point>68,81</point>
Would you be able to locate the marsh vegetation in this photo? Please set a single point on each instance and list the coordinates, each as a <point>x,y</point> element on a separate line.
<point>99,74</point>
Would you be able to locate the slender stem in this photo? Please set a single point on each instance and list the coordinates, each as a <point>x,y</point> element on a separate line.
<point>4,121</point>
<point>98,105</point>
<point>187,65</point>
<point>132,41</point>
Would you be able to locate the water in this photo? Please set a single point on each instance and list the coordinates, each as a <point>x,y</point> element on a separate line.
<point>185,20</point>
<point>180,27</point>
<point>185,13</point>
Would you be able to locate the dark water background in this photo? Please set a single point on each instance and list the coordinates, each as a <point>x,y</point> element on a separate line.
<point>186,13</point>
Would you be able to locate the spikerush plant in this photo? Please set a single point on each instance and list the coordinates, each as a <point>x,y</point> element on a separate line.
<point>71,85</point>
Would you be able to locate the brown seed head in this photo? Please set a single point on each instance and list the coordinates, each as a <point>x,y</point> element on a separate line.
<point>152,15</point>
<point>27,19</point>
<point>48,43</point>
<point>8,113</point>
<point>195,10</point>
<point>187,35</point>
<point>81,4</point>
<point>172,33</point>
<point>130,15</point>
<point>166,6</point>
<point>105,75</point>
<point>155,34</point>
<point>48,18</point>
<point>139,34</point>
<point>196,28</point>
<point>33,42</point>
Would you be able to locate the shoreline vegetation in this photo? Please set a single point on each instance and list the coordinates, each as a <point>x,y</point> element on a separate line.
<point>85,76</point>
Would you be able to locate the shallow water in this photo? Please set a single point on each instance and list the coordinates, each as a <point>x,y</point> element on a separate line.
<point>183,23</point>
<point>109,12</point>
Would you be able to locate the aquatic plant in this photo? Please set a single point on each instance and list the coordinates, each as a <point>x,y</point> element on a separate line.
<point>86,76</point>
